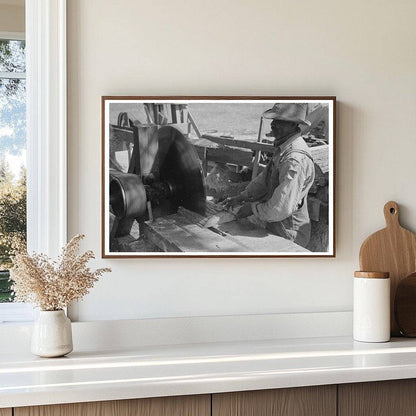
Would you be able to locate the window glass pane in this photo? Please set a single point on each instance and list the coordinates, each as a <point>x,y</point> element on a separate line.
<point>12,117</point>
<point>12,56</point>
<point>12,163</point>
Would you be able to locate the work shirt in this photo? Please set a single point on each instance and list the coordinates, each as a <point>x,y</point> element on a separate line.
<point>279,193</point>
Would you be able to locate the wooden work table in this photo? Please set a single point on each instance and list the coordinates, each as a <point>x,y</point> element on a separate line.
<point>184,232</point>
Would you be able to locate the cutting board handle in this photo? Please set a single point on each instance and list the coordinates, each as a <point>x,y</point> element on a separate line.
<point>391,214</point>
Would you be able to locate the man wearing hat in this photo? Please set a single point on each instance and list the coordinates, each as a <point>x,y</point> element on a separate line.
<point>278,195</point>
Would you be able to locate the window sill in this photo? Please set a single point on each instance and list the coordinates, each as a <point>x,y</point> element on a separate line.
<point>16,313</point>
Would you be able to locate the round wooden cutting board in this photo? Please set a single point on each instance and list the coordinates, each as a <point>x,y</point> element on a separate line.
<point>393,250</point>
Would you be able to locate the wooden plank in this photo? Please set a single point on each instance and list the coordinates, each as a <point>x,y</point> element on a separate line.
<point>245,233</point>
<point>193,124</point>
<point>5,412</point>
<point>300,401</point>
<point>245,144</point>
<point>148,111</point>
<point>148,147</point>
<point>204,160</point>
<point>256,239</point>
<point>320,155</point>
<point>120,137</point>
<point>202,142</point>
<point>226,155</point>
<point>381,398</point>
<point>192,217</point>
<point>155,111</point>
<point>173,113</point>
<point>184,113</point>
<point>134,164</point>
<point>175,234</point>
<point>258,152</point>
<point>160,406</point>
<point>120,144</point>
<point>166,113</point>
<point>185,232</point>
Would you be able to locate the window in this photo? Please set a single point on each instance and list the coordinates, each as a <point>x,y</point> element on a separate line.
<point>12,154</point>
<point>45,29</point>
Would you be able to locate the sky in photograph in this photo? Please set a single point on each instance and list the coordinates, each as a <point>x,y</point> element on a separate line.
<point>235,119</point>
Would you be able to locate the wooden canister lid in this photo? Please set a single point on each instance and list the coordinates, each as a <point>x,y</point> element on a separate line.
<point>372,275</point>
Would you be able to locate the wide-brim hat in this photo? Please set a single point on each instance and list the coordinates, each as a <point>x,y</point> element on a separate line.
<point>295,112</point>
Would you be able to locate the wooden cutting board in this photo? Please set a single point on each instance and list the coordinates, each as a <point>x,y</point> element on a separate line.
<point>393,250</point>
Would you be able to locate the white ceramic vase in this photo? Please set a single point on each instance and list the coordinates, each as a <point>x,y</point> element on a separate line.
<point>52,334</point>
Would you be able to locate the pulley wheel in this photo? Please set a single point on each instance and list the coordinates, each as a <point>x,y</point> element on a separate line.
<point>127,195</point>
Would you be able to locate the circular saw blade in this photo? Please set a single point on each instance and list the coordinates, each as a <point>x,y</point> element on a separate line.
<point>179,165</point>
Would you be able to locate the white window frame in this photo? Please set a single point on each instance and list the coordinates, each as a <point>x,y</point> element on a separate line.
<point>46,126</point>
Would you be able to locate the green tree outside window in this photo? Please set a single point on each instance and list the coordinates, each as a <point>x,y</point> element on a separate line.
<point>12,145</point>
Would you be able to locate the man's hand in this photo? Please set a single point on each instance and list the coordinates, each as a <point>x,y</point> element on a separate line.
<point>232,202</point>
<point>244,211</point>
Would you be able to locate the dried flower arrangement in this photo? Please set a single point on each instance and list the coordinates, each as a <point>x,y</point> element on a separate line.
<point>53,285</point>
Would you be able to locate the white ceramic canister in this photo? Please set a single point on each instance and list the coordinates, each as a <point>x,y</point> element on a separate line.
<point>371,305</point>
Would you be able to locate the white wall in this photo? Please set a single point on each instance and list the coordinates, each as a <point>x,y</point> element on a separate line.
<point>363,52</point>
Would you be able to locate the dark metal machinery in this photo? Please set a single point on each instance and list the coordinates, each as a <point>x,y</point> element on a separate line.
<point>174,177</point>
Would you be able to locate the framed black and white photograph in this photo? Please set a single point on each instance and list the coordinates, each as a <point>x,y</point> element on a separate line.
<point>218,176</point>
